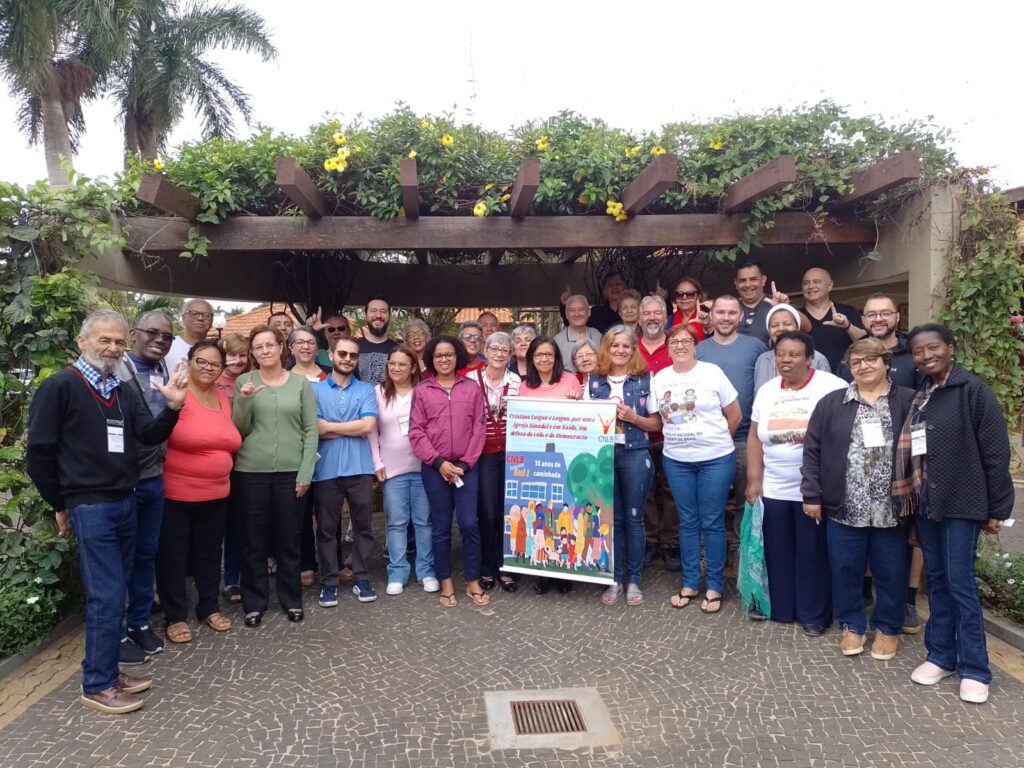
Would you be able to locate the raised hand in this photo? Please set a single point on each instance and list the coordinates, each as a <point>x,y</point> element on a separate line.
<point>315,320</point>
<point>659,290</point>
<point>565,294</point>
<point>838,320</point>
<point>249,389</point>
<point>176,388</point>
<point>778,297</point>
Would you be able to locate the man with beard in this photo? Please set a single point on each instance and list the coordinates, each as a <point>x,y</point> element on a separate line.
<point>834,327</point>
<point>881,319</point>
<point>346,411</point>
<point>142,369</point>
<point>84,430</point>
<point>375,345</point>
<point>196,321</point>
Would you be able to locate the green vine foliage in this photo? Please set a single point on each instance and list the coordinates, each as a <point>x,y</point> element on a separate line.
<point>984,291</point>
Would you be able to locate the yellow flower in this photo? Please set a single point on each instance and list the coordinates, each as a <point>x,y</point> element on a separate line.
<point>357,149</point>
<point>216,158</point>
<point>339,138</point>
<point>447,140</point>
<point>633,151</point>
<point>340,165</point>
<point>543,145</point>
<point>488,187</point>
<point>658,150</point>
<point>412,154</point>
<point>506,198</point>
<point>614,208</point>
<point>425,124</point>
<point>715,144</point>
<point>621,217</point>
<point>584,199</point>
<point>158,164</point>
<point>330,164</point>
<point>480,209</point>
<point>344,153</point>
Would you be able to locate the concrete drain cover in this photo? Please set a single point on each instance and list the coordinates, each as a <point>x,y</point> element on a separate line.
<point>563,718</point>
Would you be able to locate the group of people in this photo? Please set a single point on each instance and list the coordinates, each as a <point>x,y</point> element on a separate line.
<point>231,460</point>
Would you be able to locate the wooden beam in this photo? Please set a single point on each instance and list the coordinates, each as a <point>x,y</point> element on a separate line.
<point>162,194</point>
<point>467,233</point>
<point>408,180</point>
<point>527,182</point>
<point>661,174</point>
<point>766,180</point>
<point>300,188</point>
<point>881,177</point>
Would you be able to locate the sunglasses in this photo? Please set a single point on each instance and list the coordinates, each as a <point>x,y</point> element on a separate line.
<point>336,328</point>
<point>347,355</point>
<point>156,334</point>
<point>686,294</point>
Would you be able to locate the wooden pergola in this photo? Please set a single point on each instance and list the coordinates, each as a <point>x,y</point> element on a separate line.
<point>256,258</point>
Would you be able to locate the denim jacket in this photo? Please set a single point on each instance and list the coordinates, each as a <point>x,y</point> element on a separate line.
<point>636,392</point>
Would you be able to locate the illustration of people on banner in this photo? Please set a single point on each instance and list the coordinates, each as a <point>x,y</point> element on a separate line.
<point>559,488</point>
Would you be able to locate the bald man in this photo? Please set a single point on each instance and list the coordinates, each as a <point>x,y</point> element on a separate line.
<point>834,327</point>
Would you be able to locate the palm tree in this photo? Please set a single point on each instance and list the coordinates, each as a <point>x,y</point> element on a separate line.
<point>164,70</point>
<point>53,53</point>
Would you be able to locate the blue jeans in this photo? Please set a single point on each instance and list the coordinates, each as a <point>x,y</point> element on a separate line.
<point>106,547</point>
<point>445,499</point>
<point>634,472</point>
<point>405,500</point>
<point>149,508</point>
<point>955,633</point>
<point>701,489</point>
<point>850,550</point>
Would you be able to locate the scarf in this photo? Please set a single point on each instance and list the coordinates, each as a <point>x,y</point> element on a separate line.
<point>910,472</point>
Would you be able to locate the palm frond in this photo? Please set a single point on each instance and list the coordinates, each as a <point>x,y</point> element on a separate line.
<point>203,27</point>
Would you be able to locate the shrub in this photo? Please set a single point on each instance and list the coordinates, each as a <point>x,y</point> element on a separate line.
<point>1001,579</point>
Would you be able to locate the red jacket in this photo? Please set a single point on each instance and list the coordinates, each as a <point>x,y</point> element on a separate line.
<point>447,427</point>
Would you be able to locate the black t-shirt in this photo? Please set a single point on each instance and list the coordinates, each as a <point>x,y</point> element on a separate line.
<point>830,340</point>
<point>373,359</point>
<point>755,320</point>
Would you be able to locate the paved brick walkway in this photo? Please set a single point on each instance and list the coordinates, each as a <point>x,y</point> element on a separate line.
<point>400,682</point>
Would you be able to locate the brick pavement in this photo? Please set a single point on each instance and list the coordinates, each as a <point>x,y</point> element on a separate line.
<point>400,682</point>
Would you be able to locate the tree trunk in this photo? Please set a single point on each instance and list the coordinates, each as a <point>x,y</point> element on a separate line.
<point>149,145</point>
<point>56,139</point>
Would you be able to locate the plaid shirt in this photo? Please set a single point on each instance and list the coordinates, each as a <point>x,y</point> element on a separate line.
<point>92,375</point>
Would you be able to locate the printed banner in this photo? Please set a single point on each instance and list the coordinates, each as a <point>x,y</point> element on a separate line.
<point>559,488</point>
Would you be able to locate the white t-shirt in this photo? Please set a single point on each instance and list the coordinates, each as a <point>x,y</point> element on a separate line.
<point>691,406</point>
<point>782,416</point>
<point>617,395</point>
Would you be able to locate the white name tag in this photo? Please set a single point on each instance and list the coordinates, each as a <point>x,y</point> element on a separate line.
<point>918,442</point>
<point>458,482</point>
<point>403,425</point>
<point>871,431</point>
<point>115,437</point>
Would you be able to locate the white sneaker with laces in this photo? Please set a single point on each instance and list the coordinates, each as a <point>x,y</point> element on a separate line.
<point>394,588</point>
<point>430,584</point>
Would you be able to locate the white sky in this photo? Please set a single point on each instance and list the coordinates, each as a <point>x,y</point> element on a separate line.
<point>637,65</point>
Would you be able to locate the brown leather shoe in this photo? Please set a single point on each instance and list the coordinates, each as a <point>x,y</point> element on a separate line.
<point>130,684</point>
<point>112,701</point>
<point>884,647</point>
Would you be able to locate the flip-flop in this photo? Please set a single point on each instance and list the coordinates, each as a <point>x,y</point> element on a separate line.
<point>480,599</point>
<point>688,598</point>
<point>709,601</point>
<point>448,601</point>
<point>611,595</point>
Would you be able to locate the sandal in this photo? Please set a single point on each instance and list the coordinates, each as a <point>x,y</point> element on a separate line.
<point>633,595</point>
<point>676,600</point>
<point>232,593</point>
<point>710,601</point>
<point>218,622</point>
<point>179,632</point>
<point>611,595</point>
<point>448,601</point>
<point>480,599</point>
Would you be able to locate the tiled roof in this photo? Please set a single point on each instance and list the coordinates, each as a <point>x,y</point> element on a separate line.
<point>244,323</point>
<point>504,314</point>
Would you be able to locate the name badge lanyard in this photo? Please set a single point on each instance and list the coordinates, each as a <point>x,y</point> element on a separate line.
<point>115,427</point>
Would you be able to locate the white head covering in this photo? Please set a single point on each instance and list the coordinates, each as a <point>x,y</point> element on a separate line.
<point>788,308</point>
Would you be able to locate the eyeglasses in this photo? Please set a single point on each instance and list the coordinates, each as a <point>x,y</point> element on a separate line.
<point>499,350</point>
<point>416,335</point>
<point>543,355</point>
<point>680,343</point>
<point>475,338</point>
<point>686,294</point>
<point>346,355</point>
<point>207,365</point>
<point>336,328</point>
<point>870,360</point>
<point>885,314</point>
<point>304,343</point>
<point>266,347</point>
<point>444,355</point>
<point>155,334</point>
<point>199,315</point>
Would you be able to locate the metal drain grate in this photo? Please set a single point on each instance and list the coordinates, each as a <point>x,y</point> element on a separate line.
<point>534,718</point>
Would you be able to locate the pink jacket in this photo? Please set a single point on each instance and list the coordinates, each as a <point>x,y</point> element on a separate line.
<point>447,427</point>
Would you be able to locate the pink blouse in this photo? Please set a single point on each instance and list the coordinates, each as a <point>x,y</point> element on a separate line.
<point>567,386</point>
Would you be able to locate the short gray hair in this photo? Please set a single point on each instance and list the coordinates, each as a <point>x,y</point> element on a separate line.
<point>102,316</point>
<point>653,299</point>
<point>192,302</point>
<point>154,313</point>
<point>499,337</point>
<point>300,329</point>
<point>468,325</point>
<point>577,297</point>
<point>417,322</point>
<point>524,330</point>
<point>585,344</point>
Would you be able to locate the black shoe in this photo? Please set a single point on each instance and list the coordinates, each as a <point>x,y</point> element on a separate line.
<point>253,619</point>
<point>146,639</point>
<point>814,630</point>
<point>543,585</point>
<point>672,562</point>
<point>487,583</point>
<point>565,587</point>
<point>131,655</point>
<point>509,585</point>
<point>296,615</point>
<point>649,554</point>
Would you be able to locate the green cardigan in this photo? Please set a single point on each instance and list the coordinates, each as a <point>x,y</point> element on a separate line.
<point>278,427</point>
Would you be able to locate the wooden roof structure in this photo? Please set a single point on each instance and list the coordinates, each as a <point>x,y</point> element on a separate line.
<point>247,254</point>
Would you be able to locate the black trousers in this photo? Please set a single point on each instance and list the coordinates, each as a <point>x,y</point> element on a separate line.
<point>490,512</point>
<point>268,511</point>
<point>328,498</point>
<point>190,542</point>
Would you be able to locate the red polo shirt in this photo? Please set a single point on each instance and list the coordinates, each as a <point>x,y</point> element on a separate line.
<point>656,360</point>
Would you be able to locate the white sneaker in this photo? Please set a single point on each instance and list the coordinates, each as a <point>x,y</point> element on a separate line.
<point>973,691</point>
<point>430,584</point>
<point>930,674</point>
<point>394,588</point>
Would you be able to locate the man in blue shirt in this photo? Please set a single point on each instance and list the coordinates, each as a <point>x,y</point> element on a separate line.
<point>346,410</point>
<point>735,354</point>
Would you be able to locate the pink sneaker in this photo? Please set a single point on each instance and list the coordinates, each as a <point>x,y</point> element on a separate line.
<point>930,674</point>
<point>973,692</point>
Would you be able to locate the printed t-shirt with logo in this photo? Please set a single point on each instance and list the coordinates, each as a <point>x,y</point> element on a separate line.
<point>691,406</point>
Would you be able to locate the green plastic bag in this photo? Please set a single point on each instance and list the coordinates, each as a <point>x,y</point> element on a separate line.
<point>752,580</point>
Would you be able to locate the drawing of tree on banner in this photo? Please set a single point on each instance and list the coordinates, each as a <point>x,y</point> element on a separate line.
<point>593,477</point>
